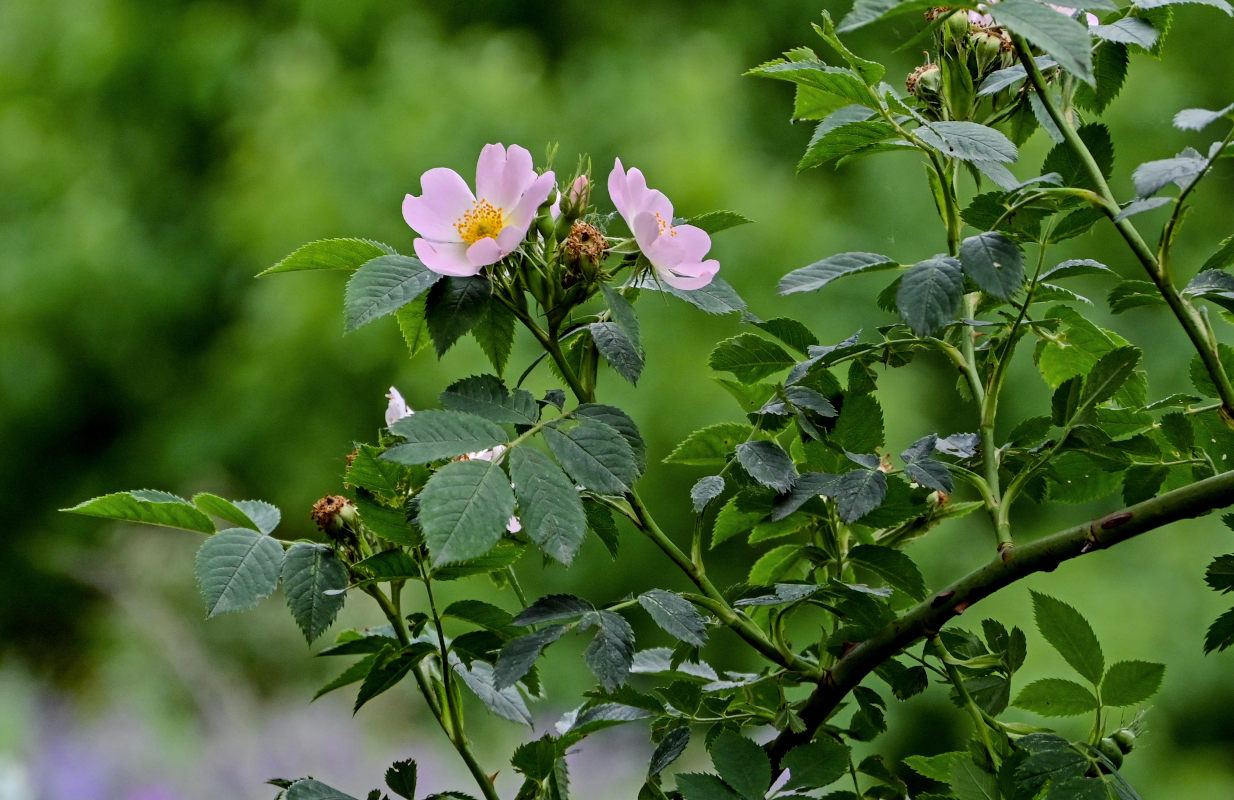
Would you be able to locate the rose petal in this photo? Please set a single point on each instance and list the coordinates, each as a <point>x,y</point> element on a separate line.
<point>523,212</point>
<point>693,241</point>
<point>483,252</point>
<point>397,407</point>
<point>445,258</point>
<point>690,275</point>
<point>444,200</point>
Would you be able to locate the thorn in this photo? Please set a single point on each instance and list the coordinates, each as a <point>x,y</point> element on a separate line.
<point>960,607</point>
<point>941,598</point>
<point>1114,520</point>
<point>847,648</point>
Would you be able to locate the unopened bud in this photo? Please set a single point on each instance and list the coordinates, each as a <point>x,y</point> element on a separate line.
<point>993,49</point>
<point>1110,749</point>
<point>1124,738</point>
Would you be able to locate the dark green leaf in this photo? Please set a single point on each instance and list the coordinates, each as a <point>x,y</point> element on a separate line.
<point>1131,682</point>
<point>478,612</point>
<point>858,492</point>
<point>929,294</point>
<point>236,568</point>
<point>675,615</point>
<point>432,435</point>
<point>1150,4</point>
<point>717,297</point>
<point>1199,373</point>
<point>1108,375</point>
<point>413,324</point>
<point>331,254</point>
<point>1220,633</point>
<point>749,357</point>
<point>1070,634</point>
<point>309,789</point>
<point>617,350</point>
<point>454,306</point>
<point>936,767</point>
<point>401,778</point>
<point>612,650</point>
<point>309,570</point>
<point>767,463</point>
<point>356,672</point>
<point>821,273</point>
<point>1109,71</point>
<point>816,764</point>
<point>669,750</point>
<point>487,396</point>
<point>623,314</point>
<point>494,332</point>
<point>1050,759</point>
<point>518,655</point>
<point>146,506</point>
<point>464,509</point>
<point>700,786</point>
<point>1063,160</point>
<point>1133,294</point>
<point>710,446</point>
<point>1220,574</point>
<point>595,455</point>
<point>1224,256</point>
<point>383,286</point>
<point>706,490</point>
<point>831,142</point>
<point>994,263</point>
<point>1077,789</point>
<point>925,470</point>
<point>551,511</point>
<point>859,428</point>
<point>552,608</point>
<point>866,11</point>
<point>893,566</point>
<point>615,417</point>
<point>742,764</point>
<point>971,782</point>
<point>1062,37</point>
<point>371,472</point>
<point>1143,482</point>
<point>390,667</point>
<point>1056,697</point>
<point>969,141</point>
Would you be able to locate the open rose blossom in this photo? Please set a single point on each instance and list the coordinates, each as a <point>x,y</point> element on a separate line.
<point>462,233</point>
<point>676,251</point>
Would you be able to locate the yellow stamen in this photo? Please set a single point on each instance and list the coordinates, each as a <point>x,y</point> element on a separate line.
<point>666,226</point>
<point>480,221</point>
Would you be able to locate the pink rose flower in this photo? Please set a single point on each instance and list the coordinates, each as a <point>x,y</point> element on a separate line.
<point>461,233</point>
<point>397,408</point>
<point>676,251</point>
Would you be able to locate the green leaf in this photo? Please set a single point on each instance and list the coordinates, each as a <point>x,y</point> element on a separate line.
<point>1064,38</point>
<point>710,446</point>
<point>1220,574</point>
<point>1131,30</point>
<point>413,324</point>
<point>1079,789</point>
<point>675,615</point>
<point>866,11</point>
<point>151,508</point>
<point>859,428</point>
<point>494,332</point>
<point>1109,70</point>
<point>773,565</point>
<point>893,566</point>
<point>844,84</point>
<point>1108,375</point>
<point>821,273</point>
<point>929,294</point>
<point>971,782</point>
<point>486,396</point>
<point>552,608</point>
<point>464,508</point>
<point>617,350</point>
<point>716,221</point>
<point>264,514</point>
<point>857,493</point>
<point>236,568</point>
<point>383,286</point>
<point>1133,294</point>
<point>1056,697</point>
<point>506,703</point>
<point>309,570</point>
<point>749,357</point>
<point>388,565</point>
<point>611,652</point>
<point>706,490</point>
<point>478,612</point>
<point>620,420</point>
<point>968,141</point>
<point>1143,482</point>
<point>224,510</point>
<point>717,297</point>
<point>434,434</point>
<point>518,655</point>
<point>701,786</point>
<point>595,455</point>
<point>1199,373</point>
<point>732,521</point>
<point>742,764</point>
<point>356,672</point>
<point>816,764</point>
<point>669,750</point>
<point>1051,759</point>
<point>1070,634</point>
<point>1222,258</point>
<point>767,463</point>
<point>1063,160</point>
<point>791,332</point>
<point>1131,682</point>
<point>1149,4</point>
<point>831,142</point>
<point>994,263</point>
<point>1153,176</point>
<point>1221,633</point>
<point>331,254</point>
<point>623,314</point>
<point>870,71</point>
<point>550,508</point>
<point>309,789</point>
<point>920,465</point>
<point>390,667</point>
<point>401,778</point>
<point>937,767</point>
<point>454,306</point>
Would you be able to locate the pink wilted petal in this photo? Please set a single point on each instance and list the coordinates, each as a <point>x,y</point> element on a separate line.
<point>445,258</point>
<point>397,408</point>
<point>484,252</point>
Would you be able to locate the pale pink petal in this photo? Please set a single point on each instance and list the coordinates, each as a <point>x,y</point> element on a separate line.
<point>693,241</point>
<point>425,221</point>
<point>618,191</point>
<point>691,275</point>
<point>579,189</point>
<point>489,171</point>
<point>514,525</point>
<point>509,239</point>
<point>554,211</point>
<point>523,212</point>
<point>483,252</point>
<point>445,258</point>
<point>444,200</point>
<point>646,229</point>
<point>397,408</point>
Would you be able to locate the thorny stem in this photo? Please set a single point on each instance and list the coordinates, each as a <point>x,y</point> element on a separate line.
<point>926,618</point>
<point>1188,317</point>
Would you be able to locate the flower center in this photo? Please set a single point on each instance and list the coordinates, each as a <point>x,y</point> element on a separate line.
<point>479,221</point>
<point>666,226</point>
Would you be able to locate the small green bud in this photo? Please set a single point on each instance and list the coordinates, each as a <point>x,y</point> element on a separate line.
<point>958,25</point>
<point>1110,749</point>
<point>992,48</point>
<point>1124,738</point>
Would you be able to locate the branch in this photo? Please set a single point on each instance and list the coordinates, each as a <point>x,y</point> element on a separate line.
<point>1043,555</point>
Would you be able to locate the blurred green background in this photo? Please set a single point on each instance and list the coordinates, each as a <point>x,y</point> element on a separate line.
<point>154,156</point>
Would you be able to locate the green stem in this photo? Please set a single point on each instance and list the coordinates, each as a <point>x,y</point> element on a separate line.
<point>957,680</point>
<point>1188,318</point>
<point>927,618</point>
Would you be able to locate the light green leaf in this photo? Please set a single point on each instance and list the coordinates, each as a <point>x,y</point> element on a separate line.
<point>821,273</point>
<point>970,782</point>
<point>710,446</point>
<point>1056,697</point>
<point>487,396</point>
<point>494,332</point>
<point>831,142</point>
<point>309,570</point>
<point>434,434</point>
<point>749,357</point>
<point>773,565</point>
<point>464,509</point>
<point>236,568</point>
<point>716,221</point>
<point>1130,682</point>
<point>331,254</point>
<point>550,508</point>
<point>1070,634</point>
<point>893,566</point>
<point>383,286</point>
<point>372,473</point>
<point>936,768</point>
<point>224,510</point>
<point>413,324</point>
<point>151,508</point>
